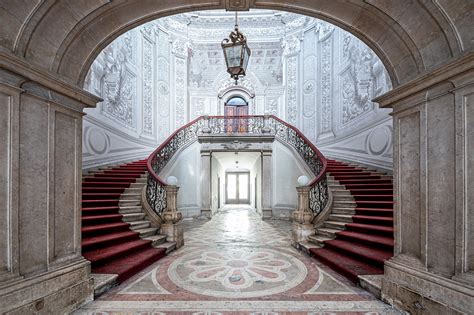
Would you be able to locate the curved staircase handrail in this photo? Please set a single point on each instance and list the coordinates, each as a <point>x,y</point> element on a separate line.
<point>252,124</point>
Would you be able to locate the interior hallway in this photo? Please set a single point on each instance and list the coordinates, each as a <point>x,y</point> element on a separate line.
<point>236,261</point>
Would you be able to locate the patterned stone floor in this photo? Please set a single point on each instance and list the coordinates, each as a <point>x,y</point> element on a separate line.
<point>237,264</point>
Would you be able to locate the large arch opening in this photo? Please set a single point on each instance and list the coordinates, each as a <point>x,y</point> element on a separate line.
<point>400,49</point>
<point>50,47</point>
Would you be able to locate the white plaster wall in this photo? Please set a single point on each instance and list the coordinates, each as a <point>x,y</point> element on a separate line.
<point>287,167</point>
<point>186,167</point>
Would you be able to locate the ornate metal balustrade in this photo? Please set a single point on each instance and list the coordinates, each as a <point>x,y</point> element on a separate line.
<point>155,191</point>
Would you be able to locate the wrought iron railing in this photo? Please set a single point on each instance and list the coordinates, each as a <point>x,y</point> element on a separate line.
<point>155,191</point>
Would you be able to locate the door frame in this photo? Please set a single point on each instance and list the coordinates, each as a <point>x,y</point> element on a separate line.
<point>237,201</point>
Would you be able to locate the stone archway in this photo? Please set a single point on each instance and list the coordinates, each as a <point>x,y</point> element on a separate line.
<point>72,47</point>
<point>48,46</point>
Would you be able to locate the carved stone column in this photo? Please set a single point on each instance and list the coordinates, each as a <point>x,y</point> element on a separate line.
<point>432,271</point>
<point>302,217</point>
<point>267,185</point>
<point>173,226</point>
<point>206,184</point>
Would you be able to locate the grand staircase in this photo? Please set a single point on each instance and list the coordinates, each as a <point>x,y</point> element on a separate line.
<point>358,236</point>
<point>116,236</point>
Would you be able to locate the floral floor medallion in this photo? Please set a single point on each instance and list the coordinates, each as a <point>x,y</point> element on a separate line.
<point>237,273</point>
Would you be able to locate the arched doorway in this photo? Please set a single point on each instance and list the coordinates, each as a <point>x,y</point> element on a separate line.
<point>236,106</point>
<point>234,109</point>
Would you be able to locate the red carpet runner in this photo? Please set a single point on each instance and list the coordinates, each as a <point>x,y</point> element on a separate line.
<point>367,242</point>
<point>107,241</point>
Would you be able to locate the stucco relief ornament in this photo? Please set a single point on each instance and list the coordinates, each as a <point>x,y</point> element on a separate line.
<point>247,83</point>
<point>325,30</point>
<point>291,45</point>
<point>118,88</point>
<point>236,145</point>
<point>180,48</point>
<point>357,83</point>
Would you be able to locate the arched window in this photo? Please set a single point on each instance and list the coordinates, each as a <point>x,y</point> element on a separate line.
<point>236,101</point>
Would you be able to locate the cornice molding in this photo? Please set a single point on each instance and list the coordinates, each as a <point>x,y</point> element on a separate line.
<point>20,67</point>
<point>425,81</point>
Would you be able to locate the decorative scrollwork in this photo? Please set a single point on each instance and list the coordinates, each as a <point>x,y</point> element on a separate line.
<point>155,191</point>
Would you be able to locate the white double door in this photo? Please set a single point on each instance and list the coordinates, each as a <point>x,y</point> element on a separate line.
<point>237,188</point>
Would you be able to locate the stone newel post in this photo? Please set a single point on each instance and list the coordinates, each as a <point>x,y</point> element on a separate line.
<point>172,228</point>
<point>302,217</point>
<point>206,128</point>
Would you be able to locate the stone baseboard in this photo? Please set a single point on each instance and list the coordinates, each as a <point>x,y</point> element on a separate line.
<point>266,214</point>
<point>55,292</point>
<point>421,292</point>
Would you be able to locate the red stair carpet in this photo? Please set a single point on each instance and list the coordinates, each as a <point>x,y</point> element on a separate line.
<point>107,241</point>
<point>367,242</point>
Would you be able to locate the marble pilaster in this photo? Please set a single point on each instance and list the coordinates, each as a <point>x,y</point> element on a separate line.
<point>433,267</point>
<point>40,189</point>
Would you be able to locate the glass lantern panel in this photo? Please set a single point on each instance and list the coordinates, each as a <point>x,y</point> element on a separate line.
<point>246,58</point>
<point>233,55</point>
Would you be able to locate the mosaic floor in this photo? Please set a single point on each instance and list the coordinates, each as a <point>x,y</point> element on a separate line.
<point>237,264</point>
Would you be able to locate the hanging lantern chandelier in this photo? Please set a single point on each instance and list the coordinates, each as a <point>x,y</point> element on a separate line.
<point>236,53</point>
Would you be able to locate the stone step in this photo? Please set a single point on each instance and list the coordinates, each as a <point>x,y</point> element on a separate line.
<point>342,198</point>
<point>326,232</point>
<point>131,209</point>
<point>339,210</point>
<point>305,246</point>
<point>133,190</point>
<point>138,225</point>
<point>336,187</point>
<point>137,185</point>
<point>372,283</point>
<point>335,225</point>
<point>318,240</point>
<point>344,204</point>
<point>169,246</point>
<point>103,283</point>
<point>146,232</point>
<point>340,192</point>
<point>340,218</point>
<point>131,196</point>
<point>156,240</point>
<point>130,202</point>
<point>141,180</point>
<point>130,217</point>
